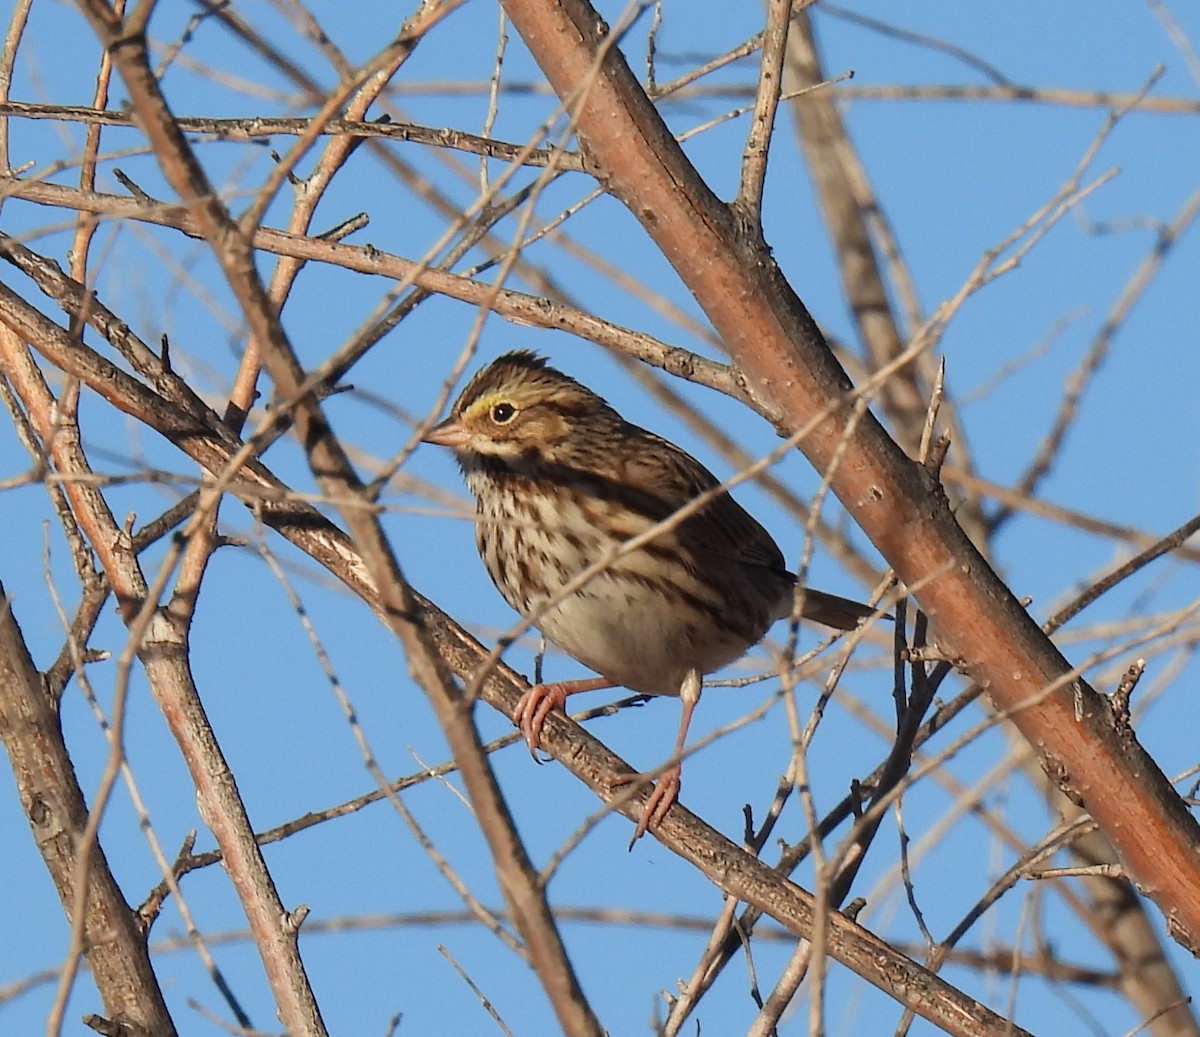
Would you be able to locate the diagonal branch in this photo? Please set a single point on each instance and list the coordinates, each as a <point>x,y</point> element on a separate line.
<point>53,803</point>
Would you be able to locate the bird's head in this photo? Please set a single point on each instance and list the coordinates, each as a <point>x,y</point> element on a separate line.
<point>519,407</point>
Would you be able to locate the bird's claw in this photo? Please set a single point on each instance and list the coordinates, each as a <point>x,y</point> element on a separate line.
<point>531,712</point>
<point>664,793</point>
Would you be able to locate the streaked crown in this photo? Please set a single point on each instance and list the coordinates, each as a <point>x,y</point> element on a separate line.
<point>520,403</point>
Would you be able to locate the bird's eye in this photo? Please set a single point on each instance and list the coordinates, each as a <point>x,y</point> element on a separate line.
<point>503,413</point>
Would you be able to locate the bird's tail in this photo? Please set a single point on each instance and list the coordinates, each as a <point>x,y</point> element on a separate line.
<point>832,611</point>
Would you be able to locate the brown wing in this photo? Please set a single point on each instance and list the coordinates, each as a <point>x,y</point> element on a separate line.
<point>671,477</point>
<point>663,472</point>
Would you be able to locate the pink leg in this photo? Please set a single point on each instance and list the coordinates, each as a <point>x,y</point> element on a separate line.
<point>537,703</point>
<point>666,791</point>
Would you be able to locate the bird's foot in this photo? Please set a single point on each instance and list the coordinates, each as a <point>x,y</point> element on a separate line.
<point>539,701</point>
<point>663,795</point>
<point>533,708</point>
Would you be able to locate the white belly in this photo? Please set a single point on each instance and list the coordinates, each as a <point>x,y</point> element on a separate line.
<point>635,638</point>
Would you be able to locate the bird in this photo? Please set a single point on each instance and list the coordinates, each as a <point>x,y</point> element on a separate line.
<point>561,482</point>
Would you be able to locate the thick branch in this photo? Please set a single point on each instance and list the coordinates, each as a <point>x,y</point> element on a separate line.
<point>53,803</point>
<point>790,370</point>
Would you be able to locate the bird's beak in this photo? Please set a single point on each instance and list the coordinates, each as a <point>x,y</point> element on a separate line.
<point>451,432</point>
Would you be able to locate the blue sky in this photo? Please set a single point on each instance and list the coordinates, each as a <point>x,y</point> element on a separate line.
<point>955,178</point>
